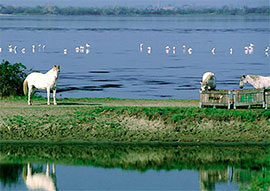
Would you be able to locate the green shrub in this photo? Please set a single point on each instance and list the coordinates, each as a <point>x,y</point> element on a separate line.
<point>11,79</point>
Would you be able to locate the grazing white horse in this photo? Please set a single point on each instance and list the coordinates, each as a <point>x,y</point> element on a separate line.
<point>39,181</point>
<point>255,81</point>
<point>208,81</point>
<point>42,81</point>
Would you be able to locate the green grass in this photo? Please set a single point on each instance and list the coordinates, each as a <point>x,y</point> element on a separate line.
<point>127,124</point>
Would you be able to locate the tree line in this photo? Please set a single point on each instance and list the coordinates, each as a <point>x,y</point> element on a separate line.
<point>125,11</point>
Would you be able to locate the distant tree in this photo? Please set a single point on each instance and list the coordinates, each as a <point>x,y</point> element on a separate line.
<point>124,11</point>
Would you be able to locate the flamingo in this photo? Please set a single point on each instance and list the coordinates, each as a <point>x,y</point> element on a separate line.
<point>190,51</point>
<point>250,48</point>
<point>167,49</point>
<point>174,49</point>
<point>15,49</point>
<point>82,49</point>
<point>231,51</point>
<point>141,47</point>
<point>10,48</point>
<point>23,50</point>
<point>33,48</point>
<point>184,48</point>
<point>246,50</point>
<point>267,51</point>
<point>213,51</point>
<point>149,50</point>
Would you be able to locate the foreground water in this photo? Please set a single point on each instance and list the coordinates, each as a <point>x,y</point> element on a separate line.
<point>131,167</point>
<point>114,66</point>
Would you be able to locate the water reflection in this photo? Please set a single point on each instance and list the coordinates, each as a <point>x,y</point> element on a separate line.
<point>242,166</point>
<point>40,180</point>
<point>9,174</point>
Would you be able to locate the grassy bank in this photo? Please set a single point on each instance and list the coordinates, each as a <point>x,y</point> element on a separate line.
<point>130,121</point>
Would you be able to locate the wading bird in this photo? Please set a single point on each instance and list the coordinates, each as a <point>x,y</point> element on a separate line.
<point>149,49</point>
<point>213,51</point>
<point>190,51</point>
<point>141,47</point>
<point>167,49</point>
<point>23,50</point>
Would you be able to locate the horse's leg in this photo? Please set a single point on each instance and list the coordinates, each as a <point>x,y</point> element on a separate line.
<point>54,99</point>
<point>29,170</point>
<point>48,95</point>
<point>29,94</point>
<point>53,168</point>
<point>47,170</point>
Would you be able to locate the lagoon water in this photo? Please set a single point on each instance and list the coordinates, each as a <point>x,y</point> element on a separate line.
<point>115,67</point>
<point>131,167</point>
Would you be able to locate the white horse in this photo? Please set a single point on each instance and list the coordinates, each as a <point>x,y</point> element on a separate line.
<point>208,81</point>
<point>42,81</point>
<point>39,181</point>
<point>255,81</point>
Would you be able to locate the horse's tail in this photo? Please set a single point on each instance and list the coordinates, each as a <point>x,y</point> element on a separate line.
<point>25,86</point>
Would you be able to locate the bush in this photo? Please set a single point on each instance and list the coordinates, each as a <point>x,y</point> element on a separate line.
<point>11,79</point>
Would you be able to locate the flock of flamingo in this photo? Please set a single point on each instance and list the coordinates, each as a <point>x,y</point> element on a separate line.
<point>248,49</point>
<point>86,49</point>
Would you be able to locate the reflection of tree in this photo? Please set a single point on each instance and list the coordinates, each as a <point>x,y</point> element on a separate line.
<point>248,179</point>
<point>253,179</point>
<point>137,157</point>
<point>242,176</point>
<point>9,173</point>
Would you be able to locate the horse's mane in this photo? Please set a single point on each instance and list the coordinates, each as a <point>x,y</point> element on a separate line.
<point>254,77</point>
<point>207,79</point>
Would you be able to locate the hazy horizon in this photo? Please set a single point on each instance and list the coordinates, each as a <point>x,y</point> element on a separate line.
<point>137,3</point>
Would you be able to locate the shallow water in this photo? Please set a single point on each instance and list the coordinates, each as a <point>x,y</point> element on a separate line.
<point>131,167</point>
<point>115,67</point>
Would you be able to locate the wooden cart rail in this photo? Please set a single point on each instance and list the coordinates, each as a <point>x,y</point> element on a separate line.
<point>236,98</point>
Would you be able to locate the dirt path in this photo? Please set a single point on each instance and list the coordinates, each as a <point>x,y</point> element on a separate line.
<point>88,102</point>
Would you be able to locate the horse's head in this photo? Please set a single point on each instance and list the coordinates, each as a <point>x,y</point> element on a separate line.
<point>56,68</point>
<point>243,81</point>
<point>209,81</point>
<point>204,86</point>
